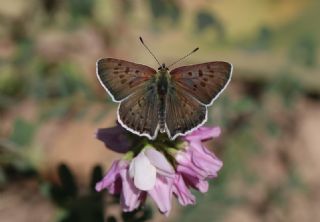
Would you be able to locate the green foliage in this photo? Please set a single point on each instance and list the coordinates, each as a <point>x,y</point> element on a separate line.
<point>165,9</point>
<point>14,160</point>
<point>23,133</point>
<point>207,20</point>
<point>81,8</point>
<point>10,84</point>
<point>13,77</point>
<point>14,163</point>
<point>273,128</point>
<point>86,207</point>
<point>57,81</point>
<point>264,37</point>
<point>263,40</point>
<point>22,57</point>
<point>304,52</point>
<point>287,87</point>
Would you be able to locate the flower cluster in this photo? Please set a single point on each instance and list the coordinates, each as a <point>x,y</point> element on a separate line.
<point>158,170</point>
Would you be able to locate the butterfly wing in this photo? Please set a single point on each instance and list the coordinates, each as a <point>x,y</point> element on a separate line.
<point>203,81</point>
<point>183,113</point>
<point>121,78</point>
<point>138,112</point>
<point>193,88</point>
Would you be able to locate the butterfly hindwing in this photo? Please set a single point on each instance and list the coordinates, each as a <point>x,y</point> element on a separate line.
<point>139,112</point>
<point>183,112</point>
<point>122,78</point>
<point>203,81</point>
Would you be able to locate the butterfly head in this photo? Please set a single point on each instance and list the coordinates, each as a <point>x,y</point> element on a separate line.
<point>163,68</point>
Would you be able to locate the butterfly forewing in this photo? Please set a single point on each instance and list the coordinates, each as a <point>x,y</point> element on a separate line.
<point>183,112</point>
<point>122,78</point>
<point>203,81</point>
<point>139,112</point>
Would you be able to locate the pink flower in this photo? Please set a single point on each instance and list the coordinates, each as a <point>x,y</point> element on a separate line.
<point>148,173</point>
<point>196,163</point>
<point>153,173</point>
<point>118,181</point>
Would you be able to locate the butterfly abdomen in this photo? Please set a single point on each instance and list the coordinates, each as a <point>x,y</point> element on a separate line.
<point>161,114</point>
<point>162,89</point>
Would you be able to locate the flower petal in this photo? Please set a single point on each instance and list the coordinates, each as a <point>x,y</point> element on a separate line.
<point>182,192</point>
<point>204,133</point>
<point>199,184</point>
<point>187,166</point>
<point>111,180</point>
<point>131,196</point>
<point>158,160</point>
<point>202,186</point>
<point>144,172</point>
<point>162,194</point>
<point>206,161</point>
<point>115,138</point>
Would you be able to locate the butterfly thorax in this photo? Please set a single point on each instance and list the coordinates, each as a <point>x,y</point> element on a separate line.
<point>163,79</point>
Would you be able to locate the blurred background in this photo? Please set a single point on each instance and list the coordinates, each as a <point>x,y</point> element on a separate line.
<point>51,104</point>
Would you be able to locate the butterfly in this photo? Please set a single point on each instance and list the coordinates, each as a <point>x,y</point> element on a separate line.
<point>173,102</point>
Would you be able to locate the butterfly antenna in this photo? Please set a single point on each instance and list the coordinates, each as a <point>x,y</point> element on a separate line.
<point>196,49</point>
<point>141,40</point>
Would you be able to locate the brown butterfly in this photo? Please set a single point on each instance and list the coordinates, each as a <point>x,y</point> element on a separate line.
<point>174,101</point>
